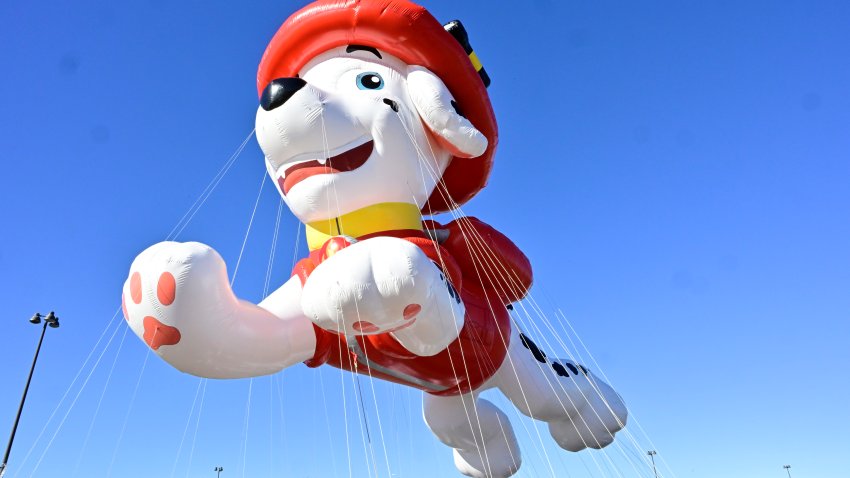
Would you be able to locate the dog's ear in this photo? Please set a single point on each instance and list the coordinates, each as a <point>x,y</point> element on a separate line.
<point>437,109</point>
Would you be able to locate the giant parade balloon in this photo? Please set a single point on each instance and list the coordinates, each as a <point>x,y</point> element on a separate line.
<point>373,116</point>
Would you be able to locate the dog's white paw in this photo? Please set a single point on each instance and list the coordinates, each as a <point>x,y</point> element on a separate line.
<point>178,301</point>
<point>381,285</point>
<point>599,410</point>
<point>170,288</point>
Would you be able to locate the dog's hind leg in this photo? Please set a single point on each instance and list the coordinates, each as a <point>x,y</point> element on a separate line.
<point>483,440</point>
<point>582,410</point>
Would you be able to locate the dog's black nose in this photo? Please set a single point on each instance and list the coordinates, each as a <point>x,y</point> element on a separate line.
<point>280,90</point>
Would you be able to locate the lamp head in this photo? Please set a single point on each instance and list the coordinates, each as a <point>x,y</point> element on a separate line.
<point>52,320</point>
<point>36,319</point>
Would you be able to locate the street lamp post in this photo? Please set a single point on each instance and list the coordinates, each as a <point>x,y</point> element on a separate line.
<point>652,454</point>
<point>788,469</point>
<point>218,471</point>
<point>53,322</point>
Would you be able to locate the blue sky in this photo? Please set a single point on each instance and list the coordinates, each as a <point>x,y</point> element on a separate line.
<point>677,172</point>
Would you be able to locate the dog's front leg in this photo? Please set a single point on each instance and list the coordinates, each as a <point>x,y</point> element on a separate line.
<point>179,301</point>
<point>385,285</point>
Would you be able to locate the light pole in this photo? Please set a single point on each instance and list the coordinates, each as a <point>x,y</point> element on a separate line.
<point>652,454</point>
<point>788,469</point>
<point>218,471</point>
<point>53,322</point>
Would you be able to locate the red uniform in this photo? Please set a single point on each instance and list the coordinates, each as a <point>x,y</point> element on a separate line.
<point>486,269</point>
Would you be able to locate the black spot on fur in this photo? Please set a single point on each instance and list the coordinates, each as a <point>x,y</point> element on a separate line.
<point>538,354</point>
<point>457,108</point>
<point>453,292</point>
<point>560,370</point>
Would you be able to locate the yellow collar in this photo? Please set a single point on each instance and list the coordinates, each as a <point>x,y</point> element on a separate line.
<point>388,216</point>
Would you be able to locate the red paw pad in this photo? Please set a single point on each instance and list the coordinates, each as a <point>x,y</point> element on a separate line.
<point>166,288</point>
<point>411,311</point>
<point>158,334</point>
<point>364,326</point>
<point>136,287</point>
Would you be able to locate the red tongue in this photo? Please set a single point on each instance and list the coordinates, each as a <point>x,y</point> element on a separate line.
<point>347,161</point>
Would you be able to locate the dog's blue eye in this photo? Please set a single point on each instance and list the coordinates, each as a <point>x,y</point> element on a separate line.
<point>370,81</point>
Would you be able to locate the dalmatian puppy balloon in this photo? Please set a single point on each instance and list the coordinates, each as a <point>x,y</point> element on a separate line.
<point>373,114</point>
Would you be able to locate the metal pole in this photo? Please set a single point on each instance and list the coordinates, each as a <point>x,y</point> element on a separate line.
<point>652,454</point>
<point>788,469</point>
<point>21,407</point>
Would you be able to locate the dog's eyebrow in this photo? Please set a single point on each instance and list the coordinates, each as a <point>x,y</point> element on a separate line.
<point>351,48</point>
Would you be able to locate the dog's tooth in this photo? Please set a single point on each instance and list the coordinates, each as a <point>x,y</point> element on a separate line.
<point>322,161</point>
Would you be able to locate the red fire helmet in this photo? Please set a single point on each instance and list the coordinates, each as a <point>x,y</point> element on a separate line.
<point>407,31</point>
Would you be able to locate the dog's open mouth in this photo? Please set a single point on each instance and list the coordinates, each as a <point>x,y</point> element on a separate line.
<point>346,161</point>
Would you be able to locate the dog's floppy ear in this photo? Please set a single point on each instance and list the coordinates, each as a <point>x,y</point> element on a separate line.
<point>435,105</point>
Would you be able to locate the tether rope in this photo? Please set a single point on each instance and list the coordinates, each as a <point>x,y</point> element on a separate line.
<point>99,402</point>
<point>186,427</point>
<point>460,223</point>
<point>248,230</point>
<point>184,220</point>
<point>68,390</point>
<point>424,161</point>
<point>208,190</point>
<point>130,407</point>
<point>197,425</point>
<point>244,448</point>
<point>482,448</point>
<point>369,448</point>
<point>73,402</point>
